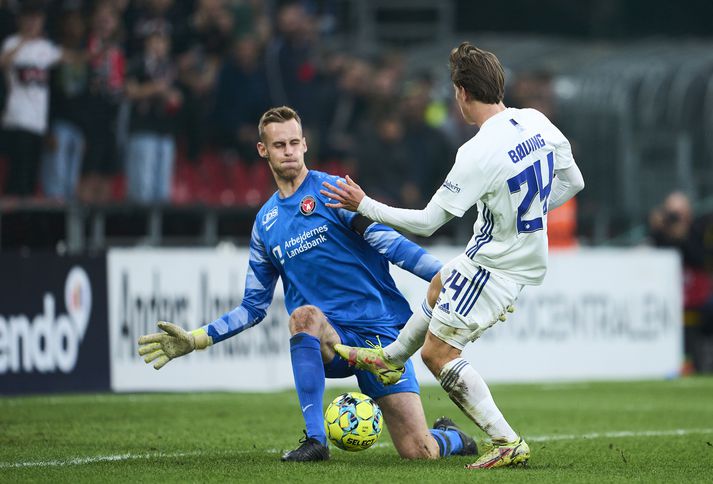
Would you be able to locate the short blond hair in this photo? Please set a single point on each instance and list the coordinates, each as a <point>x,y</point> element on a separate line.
<point>280,114</point>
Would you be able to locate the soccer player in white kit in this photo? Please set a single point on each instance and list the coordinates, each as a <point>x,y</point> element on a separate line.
<point>514,170</point>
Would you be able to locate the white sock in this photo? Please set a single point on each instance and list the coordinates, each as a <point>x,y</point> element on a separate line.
<point>468,390</point>
<point>411,337</point>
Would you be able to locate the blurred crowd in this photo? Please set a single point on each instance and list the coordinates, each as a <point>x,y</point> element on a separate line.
<point>157,101</point>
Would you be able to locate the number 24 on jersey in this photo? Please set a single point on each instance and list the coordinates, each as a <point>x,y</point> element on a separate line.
<point>534,182</point>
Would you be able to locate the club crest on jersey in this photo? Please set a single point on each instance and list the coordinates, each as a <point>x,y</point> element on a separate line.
<point>307,205</point>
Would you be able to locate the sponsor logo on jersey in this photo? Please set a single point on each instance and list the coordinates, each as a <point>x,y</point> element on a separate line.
<point>269,215</point>
<point>451,187</point>
<point>307,205</point>
<point>305,241</point>
<point>445,307</point>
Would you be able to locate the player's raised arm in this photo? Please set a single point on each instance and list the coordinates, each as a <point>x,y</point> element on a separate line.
<point>351,197</point>
<point>174,341</point>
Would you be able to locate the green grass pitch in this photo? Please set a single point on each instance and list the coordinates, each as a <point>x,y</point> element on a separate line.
<point>658,431</point>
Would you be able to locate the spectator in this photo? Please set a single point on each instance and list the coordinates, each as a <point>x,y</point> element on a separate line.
<point>385,86</point>
<point>251,19</point>
<point>207,35</point>
<point>430,151</point>
<point>670,226</point>
<point>26,58</point>
<point>343,106</point>
<point>385,166</point>
<point>155,103</point>
<point>673,225</point>
<point>290,59</point>
<point>64,146</point>
<point>241,98</point>
<point>144,19</point>
<point>107,66</point>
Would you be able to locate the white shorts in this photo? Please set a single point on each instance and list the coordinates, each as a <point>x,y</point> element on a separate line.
<point>468,305</point>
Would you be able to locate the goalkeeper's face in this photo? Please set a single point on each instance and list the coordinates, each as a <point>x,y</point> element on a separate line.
<point>284,147</point>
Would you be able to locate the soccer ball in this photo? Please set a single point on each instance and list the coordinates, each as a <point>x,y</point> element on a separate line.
<point>353,421</point>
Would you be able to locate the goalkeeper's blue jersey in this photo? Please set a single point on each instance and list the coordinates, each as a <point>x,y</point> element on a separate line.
<point>324,262</point>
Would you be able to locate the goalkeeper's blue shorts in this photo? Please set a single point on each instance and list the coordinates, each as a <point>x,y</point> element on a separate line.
<point>369,383</point>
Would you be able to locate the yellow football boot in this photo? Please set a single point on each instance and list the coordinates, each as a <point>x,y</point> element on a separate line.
<point>511,454</point>
<point>372,360</point>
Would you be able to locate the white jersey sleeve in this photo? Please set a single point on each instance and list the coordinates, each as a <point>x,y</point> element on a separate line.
<point>465,184</point>
<point>419,222</point>
<point>563,150</point>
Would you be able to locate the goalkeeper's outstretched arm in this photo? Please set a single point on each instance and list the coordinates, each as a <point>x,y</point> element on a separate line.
<point>174,341</point>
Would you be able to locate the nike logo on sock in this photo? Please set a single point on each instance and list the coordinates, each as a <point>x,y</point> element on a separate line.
<point>304,409</point>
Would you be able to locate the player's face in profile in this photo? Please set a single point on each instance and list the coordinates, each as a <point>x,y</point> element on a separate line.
<point>285,148</point>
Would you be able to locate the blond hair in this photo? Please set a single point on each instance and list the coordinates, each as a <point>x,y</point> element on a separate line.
<point>280,114</point>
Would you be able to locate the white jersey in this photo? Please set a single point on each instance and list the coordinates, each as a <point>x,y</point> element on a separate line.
<point>28,90</point>
<point>506,171</point>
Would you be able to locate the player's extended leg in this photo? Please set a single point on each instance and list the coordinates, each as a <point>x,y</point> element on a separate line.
<point>310,346</point>
<point>403,413</point>
<point>470,393</point>
<point>413,334</point>
<point>388,363</point>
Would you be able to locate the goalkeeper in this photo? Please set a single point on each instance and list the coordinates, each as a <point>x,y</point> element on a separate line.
<point>335,273</point>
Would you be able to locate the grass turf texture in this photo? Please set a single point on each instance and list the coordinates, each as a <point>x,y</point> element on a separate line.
<point>658,431</point>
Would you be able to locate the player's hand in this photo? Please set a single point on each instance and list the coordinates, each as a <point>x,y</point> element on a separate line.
<point>348,195</point>
<point>172,343</point>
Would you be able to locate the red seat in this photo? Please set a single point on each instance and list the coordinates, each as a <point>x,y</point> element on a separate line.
<point>118,187</point>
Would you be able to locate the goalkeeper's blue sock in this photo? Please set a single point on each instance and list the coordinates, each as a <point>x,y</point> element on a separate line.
<point>449,441</point>
<point>308,370</point>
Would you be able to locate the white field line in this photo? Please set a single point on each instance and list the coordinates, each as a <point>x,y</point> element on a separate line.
<point>618,435</point>
<point>110,399</point>
<point>75,461</point>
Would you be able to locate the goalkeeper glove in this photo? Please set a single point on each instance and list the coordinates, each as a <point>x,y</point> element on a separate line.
<point>172,343</point>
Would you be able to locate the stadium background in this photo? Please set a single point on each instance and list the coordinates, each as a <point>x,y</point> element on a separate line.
<point>629,295</point>
<point>633,92</point>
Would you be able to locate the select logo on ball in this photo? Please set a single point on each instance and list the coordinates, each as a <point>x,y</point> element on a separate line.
<point>353,421</point>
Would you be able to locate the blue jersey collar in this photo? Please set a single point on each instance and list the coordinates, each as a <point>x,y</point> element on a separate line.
<point>299,190</point>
